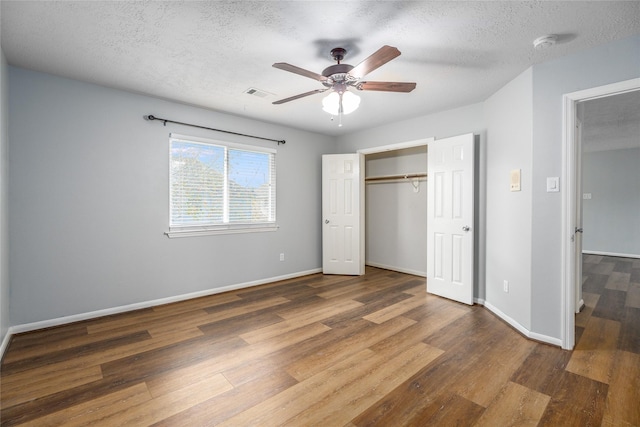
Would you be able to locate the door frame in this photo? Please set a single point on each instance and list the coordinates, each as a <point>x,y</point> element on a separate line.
<point>570,201</point>
<point>397,146</point>
<point>390,147</point>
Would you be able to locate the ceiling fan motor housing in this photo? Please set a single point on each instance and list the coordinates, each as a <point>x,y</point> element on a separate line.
<point>336,73</point>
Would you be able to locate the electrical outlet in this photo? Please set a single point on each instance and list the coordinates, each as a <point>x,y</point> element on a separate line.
<point>282,257</point>
<point>505,286</point>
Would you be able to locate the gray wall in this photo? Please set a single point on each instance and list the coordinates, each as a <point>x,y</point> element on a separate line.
<point>89,201</point>
<point>607,64</point>
<point>509,146</point>
<point>396,215</point>
<point>4,192</point>
<point>524,121</point>
<point>611,218</point>
<point>88,196</point>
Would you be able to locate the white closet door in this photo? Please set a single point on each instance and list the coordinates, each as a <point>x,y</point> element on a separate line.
<point>343,214</point>
<point>450,215</point>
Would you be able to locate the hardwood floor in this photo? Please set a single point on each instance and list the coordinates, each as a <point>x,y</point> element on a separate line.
<point>332,351</point>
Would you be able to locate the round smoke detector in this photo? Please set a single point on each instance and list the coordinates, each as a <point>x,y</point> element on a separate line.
<point>545,41</point>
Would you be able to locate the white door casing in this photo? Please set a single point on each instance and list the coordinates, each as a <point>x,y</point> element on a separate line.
<point>450,218</point>
<point>570,255</point>
<point>343,214</point>
<point>578,227</point>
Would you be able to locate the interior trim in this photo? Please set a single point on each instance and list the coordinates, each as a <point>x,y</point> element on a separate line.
<point>569,201</point>
<point>396,146</point>
<point>517,326</point>
<point>398,269</point>
<point>28,327</point>
<point>611,254</point>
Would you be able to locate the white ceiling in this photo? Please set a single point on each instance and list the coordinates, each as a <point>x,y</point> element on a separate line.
<point>208,53</point>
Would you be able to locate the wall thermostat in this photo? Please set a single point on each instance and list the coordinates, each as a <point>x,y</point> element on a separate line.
<point>515,180</point>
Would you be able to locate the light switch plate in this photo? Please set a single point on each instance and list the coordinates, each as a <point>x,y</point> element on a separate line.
<point>553,184</point>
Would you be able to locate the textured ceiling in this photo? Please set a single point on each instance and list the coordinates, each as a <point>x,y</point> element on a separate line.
<point>208,53</point>
<point>612,122</point>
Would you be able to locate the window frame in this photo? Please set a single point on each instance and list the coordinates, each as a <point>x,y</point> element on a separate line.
<point>227,227</point>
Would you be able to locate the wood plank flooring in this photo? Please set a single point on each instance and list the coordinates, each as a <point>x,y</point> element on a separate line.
<point>332,351</point>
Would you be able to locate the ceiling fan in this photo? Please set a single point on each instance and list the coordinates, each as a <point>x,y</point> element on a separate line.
<point>339,77</point>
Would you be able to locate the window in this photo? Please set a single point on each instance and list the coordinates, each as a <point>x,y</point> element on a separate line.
<point>218,187</point>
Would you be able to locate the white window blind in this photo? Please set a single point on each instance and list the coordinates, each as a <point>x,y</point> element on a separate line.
<point>220,187</point>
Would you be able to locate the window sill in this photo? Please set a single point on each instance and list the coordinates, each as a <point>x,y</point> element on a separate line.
<point>172,234</point>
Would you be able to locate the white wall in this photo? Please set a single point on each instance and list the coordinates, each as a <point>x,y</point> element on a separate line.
<point>468,119</point>
<point>509,135</point>
<point>89,201</point>
<point>611,218</point>
<point>396,215</point>
<point>614,62</point>
<point>4,210</point>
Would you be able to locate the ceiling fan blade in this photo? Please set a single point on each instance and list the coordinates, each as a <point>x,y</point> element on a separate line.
<point>301,71</point>
<point>302,95</point>
<point>387,86</point>
<point>378,59</point>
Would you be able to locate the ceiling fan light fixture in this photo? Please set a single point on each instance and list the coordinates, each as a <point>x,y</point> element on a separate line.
<point>337,103</point>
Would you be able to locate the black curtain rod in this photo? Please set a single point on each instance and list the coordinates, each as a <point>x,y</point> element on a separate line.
<point>150,117</point>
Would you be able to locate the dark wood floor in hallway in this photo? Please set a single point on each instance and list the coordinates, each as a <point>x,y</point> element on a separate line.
<point>332,351</point>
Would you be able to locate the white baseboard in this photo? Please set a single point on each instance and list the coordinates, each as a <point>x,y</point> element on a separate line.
<point>611,254</point>
<point>5,343</point>
<point>27,327</point>
<point>517,326</point>
<point>152,303</point>
<point>398,269</point>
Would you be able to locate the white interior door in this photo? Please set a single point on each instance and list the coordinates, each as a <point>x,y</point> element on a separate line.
<point>578,227</point>
<point>450,215</point>
<point>343,214</point>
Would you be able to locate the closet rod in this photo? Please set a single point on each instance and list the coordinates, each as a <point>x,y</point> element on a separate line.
<point>150,117</point>
<point>392,177</point>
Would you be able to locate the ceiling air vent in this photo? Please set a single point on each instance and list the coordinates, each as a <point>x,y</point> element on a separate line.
<point>257,92</point>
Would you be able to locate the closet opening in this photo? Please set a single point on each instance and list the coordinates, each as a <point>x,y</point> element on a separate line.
<point>396,207</point>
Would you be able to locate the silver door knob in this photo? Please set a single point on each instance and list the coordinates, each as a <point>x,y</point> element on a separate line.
<point>466,228</point>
